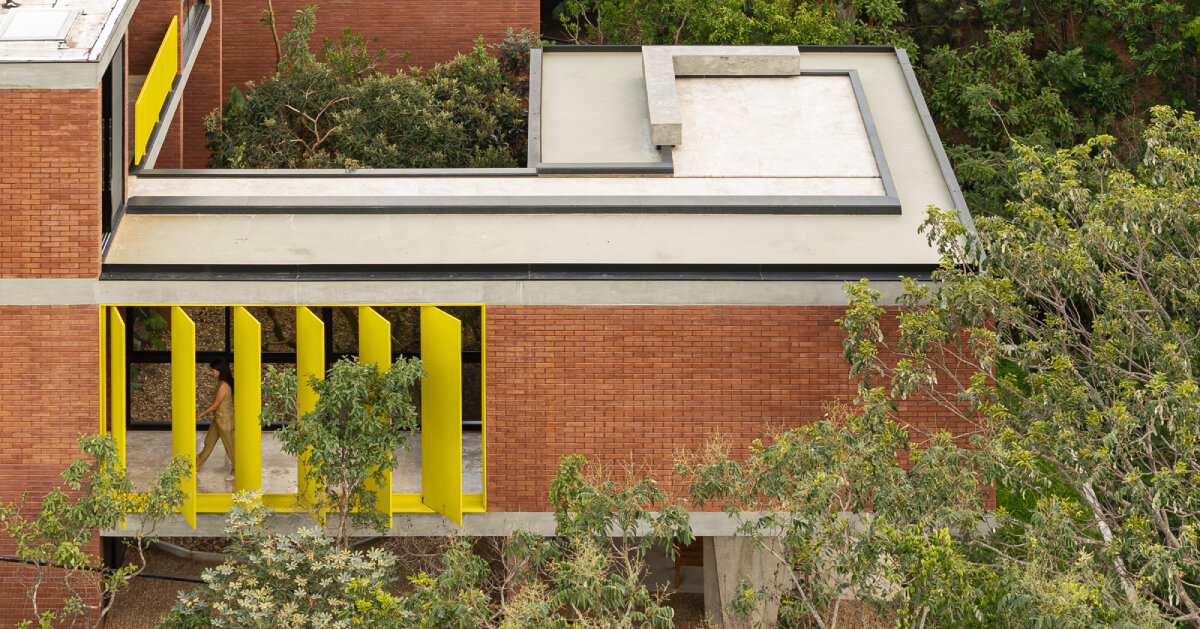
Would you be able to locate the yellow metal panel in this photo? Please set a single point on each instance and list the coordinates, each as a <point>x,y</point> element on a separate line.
<point>474,503</point>
<point>183,403</point>
<point>411,503</point>
<point>247,400</point>
<point>214,503</point>
<point>116,361</point>
<point>103,369</point>
<point>282,503</point>
<point>310,363</point>
<point>441,413</point>
<point>222,503</point>
<point>155,89</point>
<point>375,347</point>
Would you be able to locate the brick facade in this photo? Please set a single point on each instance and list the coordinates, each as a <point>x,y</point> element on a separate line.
<point>239,48</point>
<point>49,382</point>
<point>636,384</point>
<point>50,183</point>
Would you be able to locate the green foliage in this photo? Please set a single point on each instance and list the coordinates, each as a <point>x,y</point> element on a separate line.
<point>582,579</point>
<point>304,580</point>
<point>335,110</point>
<point>362,416</point>
<point>1086,296</point>
<point>780,22</point>
<point>97,495</point>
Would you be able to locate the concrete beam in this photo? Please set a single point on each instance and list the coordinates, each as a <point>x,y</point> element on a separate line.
<point>492,524</point>
<point>666,123</point>
<point>50,292</point>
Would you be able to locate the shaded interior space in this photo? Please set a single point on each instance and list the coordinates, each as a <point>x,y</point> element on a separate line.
<point>147,452</point>
<point>142,344</point>
<point>149,343</point>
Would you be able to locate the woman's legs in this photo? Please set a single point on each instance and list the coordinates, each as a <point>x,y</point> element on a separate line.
<point>210,441</point>
<point>225,430</point>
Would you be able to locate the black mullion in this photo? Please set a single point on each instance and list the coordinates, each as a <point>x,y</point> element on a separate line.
<point>130,322</point>
<point>327,326</point>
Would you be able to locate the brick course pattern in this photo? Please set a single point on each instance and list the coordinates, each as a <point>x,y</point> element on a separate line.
<point>634,385</point>
<point>50,183</point>
<point>49,381</point>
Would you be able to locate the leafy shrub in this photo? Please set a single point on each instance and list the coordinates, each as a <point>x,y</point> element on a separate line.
<point>336,110</point>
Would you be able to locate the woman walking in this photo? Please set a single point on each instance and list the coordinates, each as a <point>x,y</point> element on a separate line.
<point>222,422</point>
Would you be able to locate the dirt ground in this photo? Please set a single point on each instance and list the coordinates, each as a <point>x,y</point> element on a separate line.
<point>147,600</point>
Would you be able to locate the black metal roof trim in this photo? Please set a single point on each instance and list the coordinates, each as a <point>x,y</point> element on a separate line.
<point>514,272</point>
<point>801,205</point>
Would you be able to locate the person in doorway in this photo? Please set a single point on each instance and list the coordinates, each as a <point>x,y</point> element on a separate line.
<point>222,421</point>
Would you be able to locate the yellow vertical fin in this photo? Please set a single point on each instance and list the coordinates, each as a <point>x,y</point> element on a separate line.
<point>375,347</point>
<point>183,403</point>
<point>441,413</point>
<point>247,400</point>
<point>103,370</point>
<point>117,369</point>
<point>310,363</point>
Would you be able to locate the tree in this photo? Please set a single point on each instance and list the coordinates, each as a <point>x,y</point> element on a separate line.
<point>336,110</point>
<point>583,578</point>
<point>1077,320</point>
<point>775,22</point>
<point>55,542</point>
<point>362,416</point>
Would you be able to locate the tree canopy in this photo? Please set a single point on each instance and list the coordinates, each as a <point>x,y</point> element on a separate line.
<point>336,110</point>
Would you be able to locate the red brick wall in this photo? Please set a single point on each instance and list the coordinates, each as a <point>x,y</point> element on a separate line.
<point>49,383</point>
<point>637,384</point>
<point>431,31</point>
<point>203,92</point>
<point>239,48</point>
<point>50,183</point>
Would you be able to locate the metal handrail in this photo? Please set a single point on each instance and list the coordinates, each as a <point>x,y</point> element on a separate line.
<point>148,107</point>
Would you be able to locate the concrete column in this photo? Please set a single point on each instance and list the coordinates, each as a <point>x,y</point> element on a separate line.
<point>728,560</point>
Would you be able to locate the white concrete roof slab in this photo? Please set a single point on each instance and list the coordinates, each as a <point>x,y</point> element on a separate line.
<point>89,31</point>
<point>594,109</point>
<point>318,220</point>
<point>390,239</point>
<point>76,63</point>
<point>795,126</point>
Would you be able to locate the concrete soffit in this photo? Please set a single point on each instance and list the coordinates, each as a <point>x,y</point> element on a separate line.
<point>83,74</point>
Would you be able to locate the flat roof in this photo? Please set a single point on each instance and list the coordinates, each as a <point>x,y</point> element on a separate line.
<point>93,30</point>
<point>828,161</point>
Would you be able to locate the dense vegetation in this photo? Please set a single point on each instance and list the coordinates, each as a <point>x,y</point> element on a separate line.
<point>336,110</point>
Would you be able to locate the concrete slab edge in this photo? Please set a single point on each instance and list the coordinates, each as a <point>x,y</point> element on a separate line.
<point>66,292</point>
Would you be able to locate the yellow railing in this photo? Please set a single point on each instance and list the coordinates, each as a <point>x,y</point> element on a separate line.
<point>442,455</point>
<point>155,90</point>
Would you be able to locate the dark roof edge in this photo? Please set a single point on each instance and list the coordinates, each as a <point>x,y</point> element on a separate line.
<point>514,272</point>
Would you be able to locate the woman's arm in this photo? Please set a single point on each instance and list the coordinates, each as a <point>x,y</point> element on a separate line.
<point>222,391</point>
